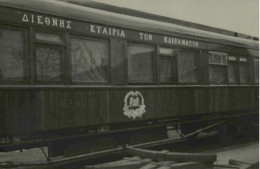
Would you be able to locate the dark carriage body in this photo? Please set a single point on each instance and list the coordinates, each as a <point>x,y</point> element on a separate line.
<point>35,105</point>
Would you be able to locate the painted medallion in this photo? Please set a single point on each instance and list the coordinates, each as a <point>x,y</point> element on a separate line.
<point>134,104</point>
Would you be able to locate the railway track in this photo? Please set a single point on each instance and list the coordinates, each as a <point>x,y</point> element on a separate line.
<point>169,153</point>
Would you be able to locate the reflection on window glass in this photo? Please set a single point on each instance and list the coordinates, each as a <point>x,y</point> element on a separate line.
<point>232,58</point>
<point>166,74</point>
<point>166,51</point>
<point>217,58</point>
<point>243,59</point>
<point>232,72</point>
<point>89,60</point>
<point>48,37</point>
<point>256,64</point>
<point>217,67</point>
<point>48,63</point>
<point>217,74</point>
<point>187,66</point>
<point>140,63</point>
<point>243,72</point>
<point>167,60</point>
<point>12,55</point>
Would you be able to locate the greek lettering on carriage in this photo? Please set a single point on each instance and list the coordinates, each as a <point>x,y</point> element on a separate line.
<point>134,104</point>
<point>103,30</point>
<point>47,21</point>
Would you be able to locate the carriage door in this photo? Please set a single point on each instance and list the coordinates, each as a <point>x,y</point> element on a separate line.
<point>187,74</point>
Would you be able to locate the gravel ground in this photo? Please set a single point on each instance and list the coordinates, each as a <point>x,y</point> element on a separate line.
<point>246,153</point>
<point>27,156</point>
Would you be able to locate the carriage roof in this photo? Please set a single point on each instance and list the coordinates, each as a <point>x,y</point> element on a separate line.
<point>83,13</point>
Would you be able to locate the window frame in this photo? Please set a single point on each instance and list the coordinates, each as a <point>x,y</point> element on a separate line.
<point>236,62</point>
<point>197,66</point>
<point>37,42</point>
<point>173,59</point>
<point>154,63</point>
<point>247,71</point>
<point>226,78</point>
<point>84,37</point>
<point>62,65</point>
<point>61,34</point>
<point>26,78</point>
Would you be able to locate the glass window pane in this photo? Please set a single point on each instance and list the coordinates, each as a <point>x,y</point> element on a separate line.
<point>140,63</point>
<point>166,51</point>
<point>166,74</point>
<point>217,58</point>
<point>256,61</point>
<point>48,63</point>
<point>232,72</point>
<point>187,66</point>
<point>12,55</point>
<point>243,73</point>
<point>48,37</point>
<point>214,59</point>
<point>217,74</point>
<point>232,58</point>
<point>243,59</point>
<point>89,60</point>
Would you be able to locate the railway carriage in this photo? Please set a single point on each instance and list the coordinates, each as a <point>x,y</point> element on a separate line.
<point>71,72</point>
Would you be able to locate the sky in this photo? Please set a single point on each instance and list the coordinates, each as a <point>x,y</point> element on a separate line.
<point>240,16</point>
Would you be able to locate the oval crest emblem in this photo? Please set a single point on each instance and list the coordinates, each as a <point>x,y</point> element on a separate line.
<point>134,104</point>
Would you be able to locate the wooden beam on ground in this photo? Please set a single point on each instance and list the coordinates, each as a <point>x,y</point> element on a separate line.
<point>171,156</point>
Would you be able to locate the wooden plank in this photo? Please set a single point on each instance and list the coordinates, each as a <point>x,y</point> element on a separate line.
<point>26,111</point>
<point>169,103</point>
<point>220,96</point>
<point>42,101</point>
<point>256,98</point>
<point>192,165</point>
<point>116,102</point>
<point>32,109</point>
<point>243,98</point>
<point>9,111</point>
<point>233,103</point>
<point>48,122</point>
<point>18,110</point>
<point>90,106</point>
<point>2,113</point>
<point>187,104</point>
<point>203,100</point>
<point>171,156</point>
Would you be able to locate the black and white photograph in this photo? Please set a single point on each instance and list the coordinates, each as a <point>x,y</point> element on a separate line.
<point>129,84</point>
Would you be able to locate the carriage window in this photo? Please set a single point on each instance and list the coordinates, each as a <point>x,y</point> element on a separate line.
<point>166,70</point>
<point>256,65</point>
<point>13,54</point>
<point>166,65</point>
<point>187,66</point>
<point>140,63</point>
<point>243,70</point>
<point>48,37</point>
<point>217,67</point>
<point>89,60</point>
<point>232,69</point>
<point>48,63</point>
